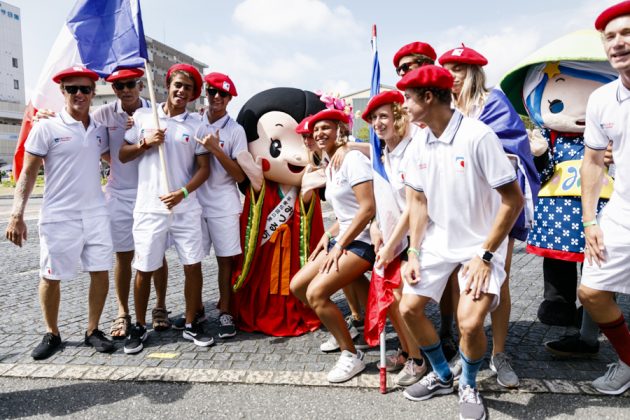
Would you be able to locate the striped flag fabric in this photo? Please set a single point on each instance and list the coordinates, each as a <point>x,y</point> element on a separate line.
<point>100,35</point>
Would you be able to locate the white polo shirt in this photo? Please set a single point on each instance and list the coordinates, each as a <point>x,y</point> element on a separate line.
<point>458,173</point>
<point>123,177</point>
<point>608,118</point>
<point>219,195</point>
<point>354,170</point>
<point>180,151</point>
<point>71,156</point>
<point>395,163</point>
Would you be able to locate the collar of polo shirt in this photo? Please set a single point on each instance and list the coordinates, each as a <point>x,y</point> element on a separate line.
<point>449,132</point>
<point>623,93</point>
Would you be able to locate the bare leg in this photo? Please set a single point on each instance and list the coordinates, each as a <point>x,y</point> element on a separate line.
<point>470,315</point>
<point>160,282</point>
<point>99,286</point>
<point>192,290</point>
<point>407,342</point>
<point>49,298</point>
<point>501,315</point>
<point>412,309</point>
<point>601,305</point>
<point>141,291</point>
<point>304,277</point>
<point>225,279</point>
<point>122,280</point>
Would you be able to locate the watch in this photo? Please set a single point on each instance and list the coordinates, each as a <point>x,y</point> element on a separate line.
<point>143,144</point>
<point>485,255</point>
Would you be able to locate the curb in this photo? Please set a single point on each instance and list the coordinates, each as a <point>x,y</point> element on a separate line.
<point>217,376</point>
<point>10,197</point>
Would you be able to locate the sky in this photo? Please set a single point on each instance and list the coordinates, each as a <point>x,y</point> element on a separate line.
<point>321,44</point>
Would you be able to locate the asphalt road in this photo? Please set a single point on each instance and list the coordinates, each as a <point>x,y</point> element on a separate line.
<point>97,400</point>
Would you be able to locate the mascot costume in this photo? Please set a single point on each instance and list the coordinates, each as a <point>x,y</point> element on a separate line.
<point>278,229</point>
<point>552,87</point>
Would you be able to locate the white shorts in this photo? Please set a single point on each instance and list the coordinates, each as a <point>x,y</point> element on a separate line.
<point>121,220</point>
<point>153,232</point>
<point>434,274</point>
<point>614,274</point>
<point>224,233</point>
<point>63,244</point>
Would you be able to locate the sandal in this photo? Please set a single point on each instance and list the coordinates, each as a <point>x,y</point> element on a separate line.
<point>160,319</point>
<point>120,326</point>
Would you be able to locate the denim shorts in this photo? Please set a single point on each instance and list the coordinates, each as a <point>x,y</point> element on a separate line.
<point>359,248</point>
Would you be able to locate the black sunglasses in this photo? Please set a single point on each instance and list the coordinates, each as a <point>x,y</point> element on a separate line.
<point>129,85</point>
<point>404,68</point>
<point>212,92</point>
<point>73,89</point>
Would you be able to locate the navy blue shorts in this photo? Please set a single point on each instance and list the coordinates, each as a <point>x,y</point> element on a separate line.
<point>359,248</point>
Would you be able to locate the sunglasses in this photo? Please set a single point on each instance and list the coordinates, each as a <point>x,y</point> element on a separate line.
<point>212,92</point>
<point>404,68</point>
<point>72,90</point>
<point>129,85</point>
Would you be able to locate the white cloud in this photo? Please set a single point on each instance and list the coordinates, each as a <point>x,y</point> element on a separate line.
<point>296,18</point>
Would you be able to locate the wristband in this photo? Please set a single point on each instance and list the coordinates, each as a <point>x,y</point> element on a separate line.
<point>413,251</point>
<point>338,246</point>
<point>185,191</point>
<point>591,223</point>
<point>330,236</point>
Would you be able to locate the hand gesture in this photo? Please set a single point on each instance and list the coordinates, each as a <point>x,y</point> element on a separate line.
<point>253,169</point>
<point>322,245</point>
<point>477,274</point>
<point>129,123</point>
<point>537,142</point>
<point>16,230</point>
<point>211,142</point>
<point>332,260</point>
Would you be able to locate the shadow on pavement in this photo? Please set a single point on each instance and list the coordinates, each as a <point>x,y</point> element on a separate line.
<point>73,398</point>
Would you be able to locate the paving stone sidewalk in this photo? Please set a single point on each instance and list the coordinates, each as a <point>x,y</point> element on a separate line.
<point>249,358</point>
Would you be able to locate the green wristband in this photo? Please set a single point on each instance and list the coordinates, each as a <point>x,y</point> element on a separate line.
<point>413,251</point>
<point>591,223</point>
<point>330,236</point>
<point>185,191</point>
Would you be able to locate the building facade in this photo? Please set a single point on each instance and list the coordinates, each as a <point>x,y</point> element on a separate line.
<point>161,57</point>
<point>11,81</point>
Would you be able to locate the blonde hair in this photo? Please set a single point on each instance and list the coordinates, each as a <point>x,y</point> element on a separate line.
<point>343,134</point>
<point>474,92</point>
<point>401,120</point>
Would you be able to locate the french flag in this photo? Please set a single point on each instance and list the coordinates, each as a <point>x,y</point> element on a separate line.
<point>101,35</point>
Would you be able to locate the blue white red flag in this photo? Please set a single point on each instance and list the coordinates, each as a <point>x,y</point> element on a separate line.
<point>387,213</point>
<point>100,35</point>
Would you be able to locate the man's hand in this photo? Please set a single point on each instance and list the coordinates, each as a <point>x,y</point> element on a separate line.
<point>129,123</point>
<point>154,137</point>
<point>608,156</point>
<point>44,114</point>
<point>411,271</point>
<point>16,230</point>
<point>594,247</point>
<point>172,199</point>
<point>211,143</point>
<point>477,274</point>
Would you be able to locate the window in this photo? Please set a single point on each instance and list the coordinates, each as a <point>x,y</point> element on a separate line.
<point>10,14</point>
<point>15,62</point>
<point>16,84</point>
<point>16,17</point>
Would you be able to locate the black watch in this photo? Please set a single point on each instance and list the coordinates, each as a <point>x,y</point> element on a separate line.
<point>144,145</point>
<point>485,255</point>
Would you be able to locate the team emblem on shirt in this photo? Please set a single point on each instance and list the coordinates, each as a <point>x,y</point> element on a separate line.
<point>607,125</point>
<point>61,139</point>
<point>459,164</point>
<point>99,139</point>
<point>186,137</point>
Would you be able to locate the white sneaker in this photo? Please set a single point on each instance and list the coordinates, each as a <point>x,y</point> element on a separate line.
<point>348,366</point>
<point>411,373</point>
<point>616,381</point>
<point>332,345</point>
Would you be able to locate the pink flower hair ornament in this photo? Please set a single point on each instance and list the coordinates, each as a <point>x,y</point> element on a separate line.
<point>333,101</point>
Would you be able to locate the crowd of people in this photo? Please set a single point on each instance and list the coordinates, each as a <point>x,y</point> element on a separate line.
<point>460,169</point>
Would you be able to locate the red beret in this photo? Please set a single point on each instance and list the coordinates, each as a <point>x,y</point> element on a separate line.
<point>427,77</point>
<point>305,126</point>
<point>76,71</point>
<point>387,97</point>
<point>124,74</point>
<point>329,114</point>
<point>464,55</point>
<point>193,72</point>
<point>611,13</point>
<point>222,82</point>
<point>415,48</point>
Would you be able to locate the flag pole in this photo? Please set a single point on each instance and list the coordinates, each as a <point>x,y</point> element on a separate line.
<point>156,120</point>
<point>383,342</point>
